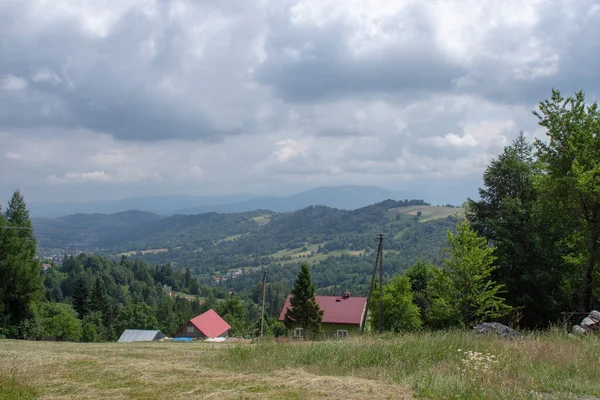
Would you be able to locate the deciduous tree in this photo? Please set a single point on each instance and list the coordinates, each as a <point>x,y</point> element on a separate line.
<point>463,293</point>
<point>571,160</point>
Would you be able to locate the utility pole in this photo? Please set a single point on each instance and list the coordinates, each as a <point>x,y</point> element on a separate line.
<point>262,318</point>
<point>378,263</point>
<point>380,281</point>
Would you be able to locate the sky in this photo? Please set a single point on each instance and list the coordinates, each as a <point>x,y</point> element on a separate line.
<point>114,99</point>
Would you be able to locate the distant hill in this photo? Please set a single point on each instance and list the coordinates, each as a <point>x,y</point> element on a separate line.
<point>163,205</point>
<point>343,197</point>
<point>348,197</point>
<point>338,243</point>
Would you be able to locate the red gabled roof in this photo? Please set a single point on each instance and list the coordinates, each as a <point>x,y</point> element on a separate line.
<point>210,324</point>
<point>336,309</point>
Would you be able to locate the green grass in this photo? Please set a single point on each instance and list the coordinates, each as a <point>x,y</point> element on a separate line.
<point>262,219</point>
<point>428,212</point>
<point>420,365</point>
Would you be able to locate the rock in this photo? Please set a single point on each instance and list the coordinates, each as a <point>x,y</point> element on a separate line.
<point>496,328</point>
<point>587,323</point>
<point>595,316</point>
<point>578,330</point>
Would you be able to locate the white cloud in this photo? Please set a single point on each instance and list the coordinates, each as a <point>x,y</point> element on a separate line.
<point>289,149</point>
<point>92,176</point>
<point>11,82</point>
<point>453,140</point>
<point>13,156</point>
<point>47,76</point>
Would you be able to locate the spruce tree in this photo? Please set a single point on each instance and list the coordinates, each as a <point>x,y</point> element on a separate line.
<point>98,298</point>
<point>20,280</point>
<point>304,311</point>
<point>81,296</point>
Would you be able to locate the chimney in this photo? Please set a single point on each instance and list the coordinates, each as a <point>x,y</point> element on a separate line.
<point>346,295</point>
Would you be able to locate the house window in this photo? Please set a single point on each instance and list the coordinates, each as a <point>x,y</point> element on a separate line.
<point>190,329</point>
<point>342,334</point>
<point>299,333</point>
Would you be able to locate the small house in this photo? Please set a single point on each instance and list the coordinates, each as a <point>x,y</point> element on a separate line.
<point>207,325</point>
<point>140,335</point>
<point>342,315</point>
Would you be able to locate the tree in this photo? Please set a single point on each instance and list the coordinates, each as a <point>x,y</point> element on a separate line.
<point>20,281</point>
<point>399,311</point>
<point>233,311</point>
<point>511,216</point>
<point>462,293</point>
<point>136,316</point>
<point>571,160</point>
<point>81,296</point>
<point>420,276</point>
<point>93,328</point>
<point>60,320</point>
<point>98,296</point>
<point>304,311</point>
<point>165,315</point>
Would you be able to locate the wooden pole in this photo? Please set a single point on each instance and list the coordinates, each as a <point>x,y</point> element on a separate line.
<point>380,282</point>
<point>364,321</point>
<point>262,318</point>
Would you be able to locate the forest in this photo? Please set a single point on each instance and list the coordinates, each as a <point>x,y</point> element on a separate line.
<point>527,250</point>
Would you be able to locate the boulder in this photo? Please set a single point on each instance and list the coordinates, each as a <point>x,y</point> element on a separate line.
<point>595,316</point>
<point>587,323</point>
<point>578,330</point>
<point>496,328</point>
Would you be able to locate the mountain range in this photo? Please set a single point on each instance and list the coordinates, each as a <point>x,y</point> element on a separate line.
<point>347,197</point>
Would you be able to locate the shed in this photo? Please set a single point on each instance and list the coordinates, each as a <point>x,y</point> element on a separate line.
<point>140,335</point>
<point>206,325</point>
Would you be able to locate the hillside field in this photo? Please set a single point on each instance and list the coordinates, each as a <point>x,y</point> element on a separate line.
<point>421,365</point>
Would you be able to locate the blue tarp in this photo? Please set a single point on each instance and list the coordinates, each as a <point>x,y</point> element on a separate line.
<point>182,339</point>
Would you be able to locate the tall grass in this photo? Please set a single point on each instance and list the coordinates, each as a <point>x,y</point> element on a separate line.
<point>13,386</point>
<point>423,365</point>
<point>438,365</point>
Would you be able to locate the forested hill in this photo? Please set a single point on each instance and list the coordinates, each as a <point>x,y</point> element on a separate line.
<point>219,246</point>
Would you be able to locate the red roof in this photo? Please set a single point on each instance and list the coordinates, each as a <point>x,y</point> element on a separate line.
<point>210,324</point>
<point>336,309</point>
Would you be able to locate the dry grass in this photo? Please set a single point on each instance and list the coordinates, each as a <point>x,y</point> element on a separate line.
<point>165,370</point>
<point>425,365</point>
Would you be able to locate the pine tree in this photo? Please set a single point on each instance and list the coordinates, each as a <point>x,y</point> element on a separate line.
<point>20,280</point>
<point>81,296</point>
<point>98,298</point>
<point>304,311</point>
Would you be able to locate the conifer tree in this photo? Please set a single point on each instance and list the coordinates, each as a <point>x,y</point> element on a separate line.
<point>20,279</point>
<point>98,298</point>
<point>304,311</point>
<point>81,296</point>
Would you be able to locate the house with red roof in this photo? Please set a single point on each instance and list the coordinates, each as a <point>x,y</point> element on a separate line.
<point>342,315</point>
<point>206,325</point>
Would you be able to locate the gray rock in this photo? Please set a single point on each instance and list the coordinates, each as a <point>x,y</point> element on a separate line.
<point>496,328</point>
<point>595,316</point>
<point>587,323</point>
<point>578,330</point>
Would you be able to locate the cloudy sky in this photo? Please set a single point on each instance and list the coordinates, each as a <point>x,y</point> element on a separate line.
<point>113,99</point>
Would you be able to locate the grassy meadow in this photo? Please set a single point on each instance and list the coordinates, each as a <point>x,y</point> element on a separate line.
<point>422,365</point>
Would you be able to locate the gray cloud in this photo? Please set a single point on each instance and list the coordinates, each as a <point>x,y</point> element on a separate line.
<point>128,97</point>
